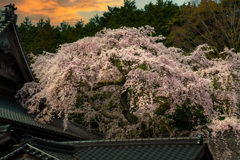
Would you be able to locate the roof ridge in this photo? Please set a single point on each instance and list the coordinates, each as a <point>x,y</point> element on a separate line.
<point>49,145</point>
<point>7,14</point>
<point>18,110</point>
<point>5,128</point>
<point>69,146</point>
<point>136,139</point>
<point>133,142</point>
<point>28,148</point>
<point>39,150</point>
<point>13,152</point>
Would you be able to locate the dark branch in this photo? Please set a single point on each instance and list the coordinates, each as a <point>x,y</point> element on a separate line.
<point>125,109</point>
<point>119,82</point>
<point>104,113</point>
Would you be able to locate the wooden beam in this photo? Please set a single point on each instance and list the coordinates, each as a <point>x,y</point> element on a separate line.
<point>8,88</point>
<point>6,138</point>
<point>19,53</point>
<point>8,76</point>
<point>4,57</point>
<point>7,58</point>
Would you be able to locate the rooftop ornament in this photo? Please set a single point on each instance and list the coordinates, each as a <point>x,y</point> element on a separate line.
<point>7,14</point>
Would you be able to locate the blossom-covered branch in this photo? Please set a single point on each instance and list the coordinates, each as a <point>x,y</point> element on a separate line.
<point>132,85</point>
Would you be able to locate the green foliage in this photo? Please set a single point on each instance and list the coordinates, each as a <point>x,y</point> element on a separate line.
<point>213,22</point>
<point>161,16</point>
<point>45,37</point>
<point>143,67</point>
<point>186,120</point>
<point>185,26</point>
<point>27,33</point>
<point>163,107</point>
<point>213,54</point>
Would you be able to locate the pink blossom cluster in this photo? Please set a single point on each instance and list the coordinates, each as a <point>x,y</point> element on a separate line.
<point>121,77</point>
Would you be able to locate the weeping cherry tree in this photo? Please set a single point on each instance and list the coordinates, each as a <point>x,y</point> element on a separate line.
<point>128,84</point>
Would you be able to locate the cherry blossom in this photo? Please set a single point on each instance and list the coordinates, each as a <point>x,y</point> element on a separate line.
<point>131,85</point>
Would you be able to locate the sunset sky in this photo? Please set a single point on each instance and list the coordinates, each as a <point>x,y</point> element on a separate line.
<point>70,11</point>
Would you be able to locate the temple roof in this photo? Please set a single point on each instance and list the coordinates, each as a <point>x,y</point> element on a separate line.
<point>12,112</point>
<point>8,32</point>
<point>151,148</point>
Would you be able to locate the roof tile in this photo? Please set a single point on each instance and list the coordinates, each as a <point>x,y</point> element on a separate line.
<point>10,110</point>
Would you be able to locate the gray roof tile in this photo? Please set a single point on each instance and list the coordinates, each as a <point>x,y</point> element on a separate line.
<point>141,149</point>
<point>141,152</point>
<point>38,153</point>
<point>10,110</point>
<point>180,148</point>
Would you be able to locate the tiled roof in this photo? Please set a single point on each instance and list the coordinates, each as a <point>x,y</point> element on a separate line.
<point>38,153</point>
<point>141,149</point>
<point>5,131</point>
<point>8,20</point>
<point>7,138</point>
<point>7,16</point>
<point>181,148</point>
<point>13,112</point>
<point>3,26</point>
<point>52,148</point>
<point>43,149</point>
<point>154,151</point>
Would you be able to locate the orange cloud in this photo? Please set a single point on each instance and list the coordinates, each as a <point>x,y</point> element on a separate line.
<point>59,10</point>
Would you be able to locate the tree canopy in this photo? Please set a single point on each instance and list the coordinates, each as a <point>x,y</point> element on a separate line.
<point>216,23</point>
<point>161,16</point>
<point>126,83</point>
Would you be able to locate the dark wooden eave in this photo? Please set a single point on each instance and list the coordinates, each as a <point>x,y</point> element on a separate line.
<point>14,66</point>
<point>16,53</point>
<point>22,129</point>
<point>19,53</point>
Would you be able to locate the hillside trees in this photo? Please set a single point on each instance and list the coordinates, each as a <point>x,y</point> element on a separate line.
<point>42,37</point>
<point>28,32</point>
<point>161,15</point>
<point>185,26</point>
<point>78,29</point>
<point>116,17</point>
<point>212,22</point>
<point>126,83</point>
<point>46,37</point>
